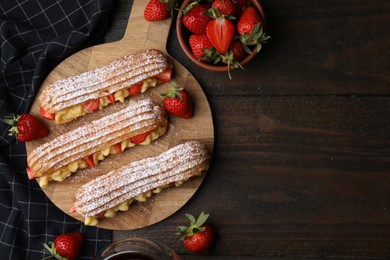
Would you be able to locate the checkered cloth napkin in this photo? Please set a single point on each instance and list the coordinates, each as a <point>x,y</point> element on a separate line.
<point>35,36</point>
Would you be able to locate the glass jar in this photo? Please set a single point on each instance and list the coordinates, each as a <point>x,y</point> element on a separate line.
<point>137,248</point>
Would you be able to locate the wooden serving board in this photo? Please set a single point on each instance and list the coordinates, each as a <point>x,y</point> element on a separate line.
<point>140,35</point>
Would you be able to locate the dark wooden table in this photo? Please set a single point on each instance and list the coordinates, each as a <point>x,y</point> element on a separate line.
<point>301,165</point>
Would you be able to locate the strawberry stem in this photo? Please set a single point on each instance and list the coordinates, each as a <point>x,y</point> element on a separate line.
<point>53,252</point>
<point>173,92</point>
<point>194,227</point>
<point>12,120</point>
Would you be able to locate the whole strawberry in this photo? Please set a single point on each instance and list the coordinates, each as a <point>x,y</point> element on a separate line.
<point>238,50</point>
<point>234,55</point>
<point>178,102</point>
<point>26,127</point>
<point>198,237</point>
<point>248,20</point>
<point>195,18</point>
<point>66,246</point>
<point>158,10</point>
<point>250,29</point>
<point>201,47</point>
<point>241,5</point>
<point>225,7</point>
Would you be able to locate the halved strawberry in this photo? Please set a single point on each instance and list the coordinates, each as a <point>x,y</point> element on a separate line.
<point>91,105</point>
<point>220,32</point>
<point>165,76</point>
<point>111,98</point>
<point>46,115</point>
<point>135,89</point>
<point>139,138</point>
<point>89,160</point>
<point>118,148</point>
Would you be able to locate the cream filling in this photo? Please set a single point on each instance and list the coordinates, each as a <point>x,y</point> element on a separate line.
<point>124,206</point>
<point>71,113</point>
<point>64,172</point>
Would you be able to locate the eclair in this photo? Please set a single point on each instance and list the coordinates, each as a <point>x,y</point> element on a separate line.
<point>105,195</point>
<point>75,96</point>
<point>138,123</point>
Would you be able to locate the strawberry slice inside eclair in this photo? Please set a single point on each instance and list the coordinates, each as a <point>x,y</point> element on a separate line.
<point>76,96</point>
<point>138,123</point>
<point>90,106</point>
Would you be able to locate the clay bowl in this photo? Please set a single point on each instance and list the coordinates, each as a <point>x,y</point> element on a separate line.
<point>183,35</point>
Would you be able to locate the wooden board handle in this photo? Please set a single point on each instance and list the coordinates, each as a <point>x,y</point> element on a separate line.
<point>140,32</point>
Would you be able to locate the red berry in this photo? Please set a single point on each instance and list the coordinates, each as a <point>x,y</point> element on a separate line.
<point>241,5</point>
<point>66,245</point>
<point>178,102</point>
<point>248,20</point>
<point>225,7</point>
<point>199,43</point>
<point>195,19</point>
<point>201,242</point>
<point>250,29</point>
<point>26,127</point>
<point>157,10</point>
<point>198,237</point>
<point>220,32</point>
<point>239,53</point>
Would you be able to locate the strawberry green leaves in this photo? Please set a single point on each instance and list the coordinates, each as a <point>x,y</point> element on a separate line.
<point>198,236</point>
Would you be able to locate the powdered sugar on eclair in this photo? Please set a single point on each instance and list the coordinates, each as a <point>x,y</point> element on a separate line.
<point>135,119</point>
<point>127,182</point>
<point>101,82</point>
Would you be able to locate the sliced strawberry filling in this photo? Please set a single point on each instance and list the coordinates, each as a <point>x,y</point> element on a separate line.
<point>46,115</point>
<point>101,214</point>
<point>139,138</point>
<point>30,173</point>
<point>165,76</point>
<point>118,148</point>
<point>135,89</point>
<point>91,105</point>
<point>89,160</point>
<point>111,98</point>
<point>112,212</point>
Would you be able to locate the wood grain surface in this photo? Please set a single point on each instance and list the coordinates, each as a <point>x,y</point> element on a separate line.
<point>141,35</point>
<point>302,149</point>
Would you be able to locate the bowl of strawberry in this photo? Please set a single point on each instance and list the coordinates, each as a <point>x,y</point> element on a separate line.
<point>221,35</point>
